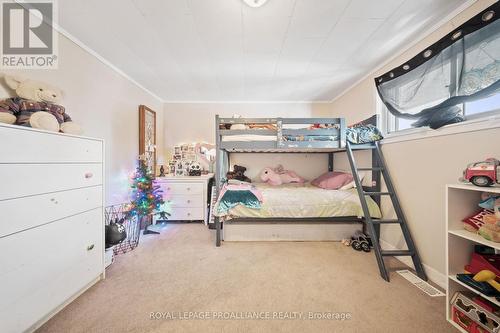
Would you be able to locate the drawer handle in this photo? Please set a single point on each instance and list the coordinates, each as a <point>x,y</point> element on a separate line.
<point>90,247</point>
<point>189,188</point>
<point>189,214</point>
<point>168,188</point>
<point>189,201</point>
<point>89,175</point>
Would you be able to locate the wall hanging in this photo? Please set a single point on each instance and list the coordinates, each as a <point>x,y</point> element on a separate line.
<point>147,137</point>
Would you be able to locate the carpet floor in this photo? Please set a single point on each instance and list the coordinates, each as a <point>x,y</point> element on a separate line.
<point>188,285</point>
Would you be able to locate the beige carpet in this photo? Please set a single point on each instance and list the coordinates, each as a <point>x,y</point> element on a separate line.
<point>181,270</point>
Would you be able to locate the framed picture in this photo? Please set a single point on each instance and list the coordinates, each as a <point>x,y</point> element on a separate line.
<point>147,137</point>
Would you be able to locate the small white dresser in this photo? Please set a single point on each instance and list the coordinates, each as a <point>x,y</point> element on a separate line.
<point>51,224</point>
<point>186,196</point>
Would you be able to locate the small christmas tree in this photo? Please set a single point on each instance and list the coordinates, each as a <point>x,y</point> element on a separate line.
<point>146,196</point>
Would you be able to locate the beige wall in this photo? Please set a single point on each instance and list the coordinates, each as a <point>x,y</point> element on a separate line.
<point>421,168</point>
<point>105,104</point>
<point>195,122</point>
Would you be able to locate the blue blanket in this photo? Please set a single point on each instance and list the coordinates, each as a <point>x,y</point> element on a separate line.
<point>233,198</point>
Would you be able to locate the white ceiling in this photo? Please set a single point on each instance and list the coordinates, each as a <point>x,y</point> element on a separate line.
<point>223,50</point>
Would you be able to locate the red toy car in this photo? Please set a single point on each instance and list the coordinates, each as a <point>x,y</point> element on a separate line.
<point>485,173</point>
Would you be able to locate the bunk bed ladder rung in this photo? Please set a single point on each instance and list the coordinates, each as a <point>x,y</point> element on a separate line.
<point>373,225</point>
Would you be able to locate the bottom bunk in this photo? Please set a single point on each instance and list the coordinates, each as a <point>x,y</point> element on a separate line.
<point>291,212</point>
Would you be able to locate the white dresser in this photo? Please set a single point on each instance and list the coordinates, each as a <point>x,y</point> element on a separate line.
<point>51,223</point>
<point>186,196</point>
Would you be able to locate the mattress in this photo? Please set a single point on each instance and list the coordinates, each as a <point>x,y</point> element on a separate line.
<point>302,201</point>
<point>249,138</point>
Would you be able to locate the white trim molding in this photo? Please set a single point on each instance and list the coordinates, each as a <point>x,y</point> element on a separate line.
<point>473,125</point>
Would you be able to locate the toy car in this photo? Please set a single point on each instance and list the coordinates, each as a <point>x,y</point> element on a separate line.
<point>484,174</point>
<point>361,242</point>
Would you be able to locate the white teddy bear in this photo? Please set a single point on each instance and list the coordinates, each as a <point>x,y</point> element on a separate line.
<point>36,106</point>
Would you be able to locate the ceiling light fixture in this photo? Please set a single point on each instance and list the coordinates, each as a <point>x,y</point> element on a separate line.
<point>255,3</point>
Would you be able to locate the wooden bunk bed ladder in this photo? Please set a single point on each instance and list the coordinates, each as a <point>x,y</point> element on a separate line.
<point>373,225</point>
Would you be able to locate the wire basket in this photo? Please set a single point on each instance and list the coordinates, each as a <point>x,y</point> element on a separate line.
<point>117,212</point>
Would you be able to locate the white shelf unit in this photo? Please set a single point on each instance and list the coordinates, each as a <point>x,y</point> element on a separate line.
<point>462,201</point>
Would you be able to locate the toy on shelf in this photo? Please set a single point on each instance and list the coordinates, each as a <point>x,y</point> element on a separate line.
<point>482,271</point>
<point>486,222</point>
<point>483,261</point>
<point>488,277</point>
<point>475,314</point>
<point>481,286</point>
<point>484,173</point>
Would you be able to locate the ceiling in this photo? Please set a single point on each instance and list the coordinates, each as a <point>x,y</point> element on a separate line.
<point>224,50</point>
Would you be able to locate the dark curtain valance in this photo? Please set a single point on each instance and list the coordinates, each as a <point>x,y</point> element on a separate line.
<point>463,66</point>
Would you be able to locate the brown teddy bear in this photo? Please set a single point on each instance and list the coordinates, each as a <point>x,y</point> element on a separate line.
<point>238,173</point>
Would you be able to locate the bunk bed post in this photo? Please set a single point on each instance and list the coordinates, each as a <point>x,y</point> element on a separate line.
<point>218,165</point>
<point>342,132</point>
<point>330,162</point>
<point>376,175</point>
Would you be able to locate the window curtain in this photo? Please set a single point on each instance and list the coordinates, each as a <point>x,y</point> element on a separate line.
<point>461,67</point>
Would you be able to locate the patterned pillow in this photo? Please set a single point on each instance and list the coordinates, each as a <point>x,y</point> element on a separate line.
<point>363,134</point>
<point>474,222</point>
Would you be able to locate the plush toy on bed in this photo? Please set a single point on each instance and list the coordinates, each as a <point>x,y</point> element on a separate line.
<point>277,176</point>
<point>37,106</point>
<point>238,173</point>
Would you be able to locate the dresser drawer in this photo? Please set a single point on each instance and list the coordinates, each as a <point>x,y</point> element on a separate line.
<point>46,208</point>
<point>185,200</point>
<point>44,266</point>
<point>18,180</point>
<point>180,214</point>
<point>25,145</point>
<point>181,188</point>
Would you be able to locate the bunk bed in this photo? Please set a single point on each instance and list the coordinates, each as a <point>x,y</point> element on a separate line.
<point>321,136</point>
<point>290,135</point>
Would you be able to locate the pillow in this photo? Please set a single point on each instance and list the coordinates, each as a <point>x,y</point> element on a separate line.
<point>353,184</point>
<point>332,180</point>
<point>474,222</point>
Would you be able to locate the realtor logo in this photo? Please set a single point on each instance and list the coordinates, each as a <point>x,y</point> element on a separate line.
<point>28,38</point>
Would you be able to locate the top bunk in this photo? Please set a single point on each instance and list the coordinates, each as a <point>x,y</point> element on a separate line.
<point>287,135</point>
<point>280,134</point>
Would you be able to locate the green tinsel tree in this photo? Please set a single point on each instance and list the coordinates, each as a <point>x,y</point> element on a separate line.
<point>146,195</point>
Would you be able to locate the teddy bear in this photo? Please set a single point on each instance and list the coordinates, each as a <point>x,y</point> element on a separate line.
<point>278,175</point>
<point>238,173</point>
<point>37,106</point>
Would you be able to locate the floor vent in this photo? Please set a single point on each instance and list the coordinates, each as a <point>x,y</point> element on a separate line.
<point>420,284</point>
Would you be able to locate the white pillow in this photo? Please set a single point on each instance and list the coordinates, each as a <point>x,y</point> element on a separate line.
<point>353,184</point>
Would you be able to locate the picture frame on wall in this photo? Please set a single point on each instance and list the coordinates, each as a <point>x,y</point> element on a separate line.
<point>147,137</point>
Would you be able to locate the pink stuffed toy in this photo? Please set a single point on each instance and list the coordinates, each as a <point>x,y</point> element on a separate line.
<point>279,175</point>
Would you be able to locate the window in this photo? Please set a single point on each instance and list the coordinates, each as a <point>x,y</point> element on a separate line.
<point>471,110</point>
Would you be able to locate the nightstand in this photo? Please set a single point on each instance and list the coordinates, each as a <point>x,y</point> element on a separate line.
<point>187,196</point>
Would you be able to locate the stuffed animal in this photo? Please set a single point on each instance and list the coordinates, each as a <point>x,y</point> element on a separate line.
<point>36,105</point>
<point>238,173</point>
<point>195,169</point>
<point>277,176</point>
